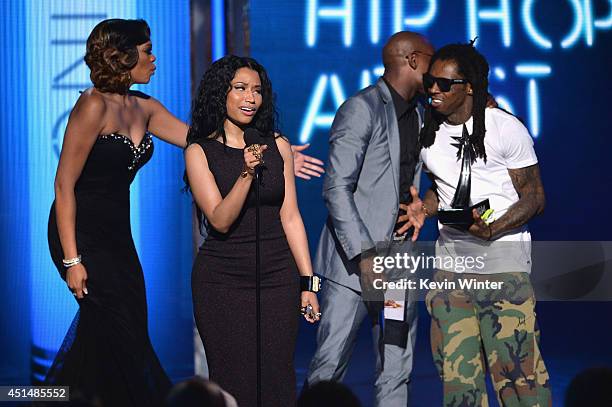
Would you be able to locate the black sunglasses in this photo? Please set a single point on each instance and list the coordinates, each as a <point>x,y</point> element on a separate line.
<point>444,84</point>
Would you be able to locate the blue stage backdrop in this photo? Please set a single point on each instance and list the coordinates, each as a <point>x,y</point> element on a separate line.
<point>549,63</point>
<point>42,73</point>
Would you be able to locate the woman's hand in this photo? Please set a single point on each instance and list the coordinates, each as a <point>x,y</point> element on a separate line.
<point>253,156</point>
<point>76,278</point>
<point>310,298</point>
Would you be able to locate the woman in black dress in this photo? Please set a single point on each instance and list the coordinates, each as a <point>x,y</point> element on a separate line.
<point>107,353</point>
<point>235,94</point>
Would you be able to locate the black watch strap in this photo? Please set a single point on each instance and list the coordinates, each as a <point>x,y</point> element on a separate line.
<point>310,283</point>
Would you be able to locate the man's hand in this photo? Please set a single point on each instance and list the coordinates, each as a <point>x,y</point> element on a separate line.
<point>366,273</point>
<point>305,166</point>
<point>479,228</point>
<point>414,215</point>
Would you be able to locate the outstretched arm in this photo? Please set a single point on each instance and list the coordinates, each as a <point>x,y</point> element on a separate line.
<point>305,166</point>
<point>165,125</point>
<point>418,210</point>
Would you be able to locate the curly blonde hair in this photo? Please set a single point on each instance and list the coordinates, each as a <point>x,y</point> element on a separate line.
<point>112,53</point>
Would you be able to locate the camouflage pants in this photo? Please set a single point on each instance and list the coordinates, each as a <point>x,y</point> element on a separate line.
<point>472,329</point>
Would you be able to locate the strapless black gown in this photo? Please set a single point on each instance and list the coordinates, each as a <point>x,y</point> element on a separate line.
<point>223,288</point>
<point>107,353</point>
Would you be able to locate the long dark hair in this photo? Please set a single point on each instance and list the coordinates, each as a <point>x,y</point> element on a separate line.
<point>208,112</point>
<point>475,68</point>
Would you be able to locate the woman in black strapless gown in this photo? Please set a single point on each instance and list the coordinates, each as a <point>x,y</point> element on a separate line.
<point>235,94</point>
<point>107,353</point>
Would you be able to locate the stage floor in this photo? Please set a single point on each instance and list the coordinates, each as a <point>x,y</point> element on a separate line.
<point>574,336</point>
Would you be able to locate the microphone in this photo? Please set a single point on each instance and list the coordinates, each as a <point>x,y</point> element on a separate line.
<point>254,136</point>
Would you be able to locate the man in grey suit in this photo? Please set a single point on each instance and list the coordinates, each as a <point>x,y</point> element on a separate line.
<point>373,157</point>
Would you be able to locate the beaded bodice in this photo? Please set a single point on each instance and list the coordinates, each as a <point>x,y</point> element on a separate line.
<point>138,151</point>
<point>113,163</point>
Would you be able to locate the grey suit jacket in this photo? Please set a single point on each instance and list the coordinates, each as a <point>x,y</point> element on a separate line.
<point>361,184</point>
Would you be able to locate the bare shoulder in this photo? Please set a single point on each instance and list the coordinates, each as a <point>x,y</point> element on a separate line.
<point>148,102</point>
<point>194,151</point>
<point>284,146</point>
<point>88,115</point>
<point>91,103</point>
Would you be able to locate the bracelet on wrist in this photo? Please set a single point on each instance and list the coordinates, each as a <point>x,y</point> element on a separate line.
<point>71,262</point>
<point>245,172</point>
<point>310,283</point>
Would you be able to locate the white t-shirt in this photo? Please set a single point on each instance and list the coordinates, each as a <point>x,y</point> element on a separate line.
<point>508,146</point>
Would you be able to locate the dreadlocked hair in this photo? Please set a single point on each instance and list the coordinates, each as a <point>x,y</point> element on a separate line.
<point>475,68</point>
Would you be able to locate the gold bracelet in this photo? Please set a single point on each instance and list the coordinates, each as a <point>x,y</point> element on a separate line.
<point>245,172</point>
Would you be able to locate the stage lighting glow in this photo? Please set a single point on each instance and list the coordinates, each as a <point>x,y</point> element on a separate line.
<point>504,103</point>
<point>366,75</point>
<point>534,108</point>
<point>423,20</point>
<point>530,27</point>
<point>344,14</point>
<point>501,15</point>
<point>366,78</point>
<point>588,26</point>
<point>503,37</point>
<point>374,21</point>
<point>500,73</point>
<point>574,35</point>
<point>314,116</point>
<point>533,69</point>
<point>606,22</point>
<point>217,11</point>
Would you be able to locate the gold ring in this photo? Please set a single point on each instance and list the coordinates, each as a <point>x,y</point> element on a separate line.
<point>253,148</point>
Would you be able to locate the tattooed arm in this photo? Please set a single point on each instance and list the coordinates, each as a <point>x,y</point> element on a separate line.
<point>528,185</point>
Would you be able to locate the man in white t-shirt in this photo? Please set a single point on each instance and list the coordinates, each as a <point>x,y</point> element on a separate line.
<point>484,316</point>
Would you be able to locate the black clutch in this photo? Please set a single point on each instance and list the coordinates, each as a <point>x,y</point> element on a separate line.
<point>462,218</point>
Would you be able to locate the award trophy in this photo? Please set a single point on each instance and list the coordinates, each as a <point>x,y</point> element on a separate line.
<point>459,215</point>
